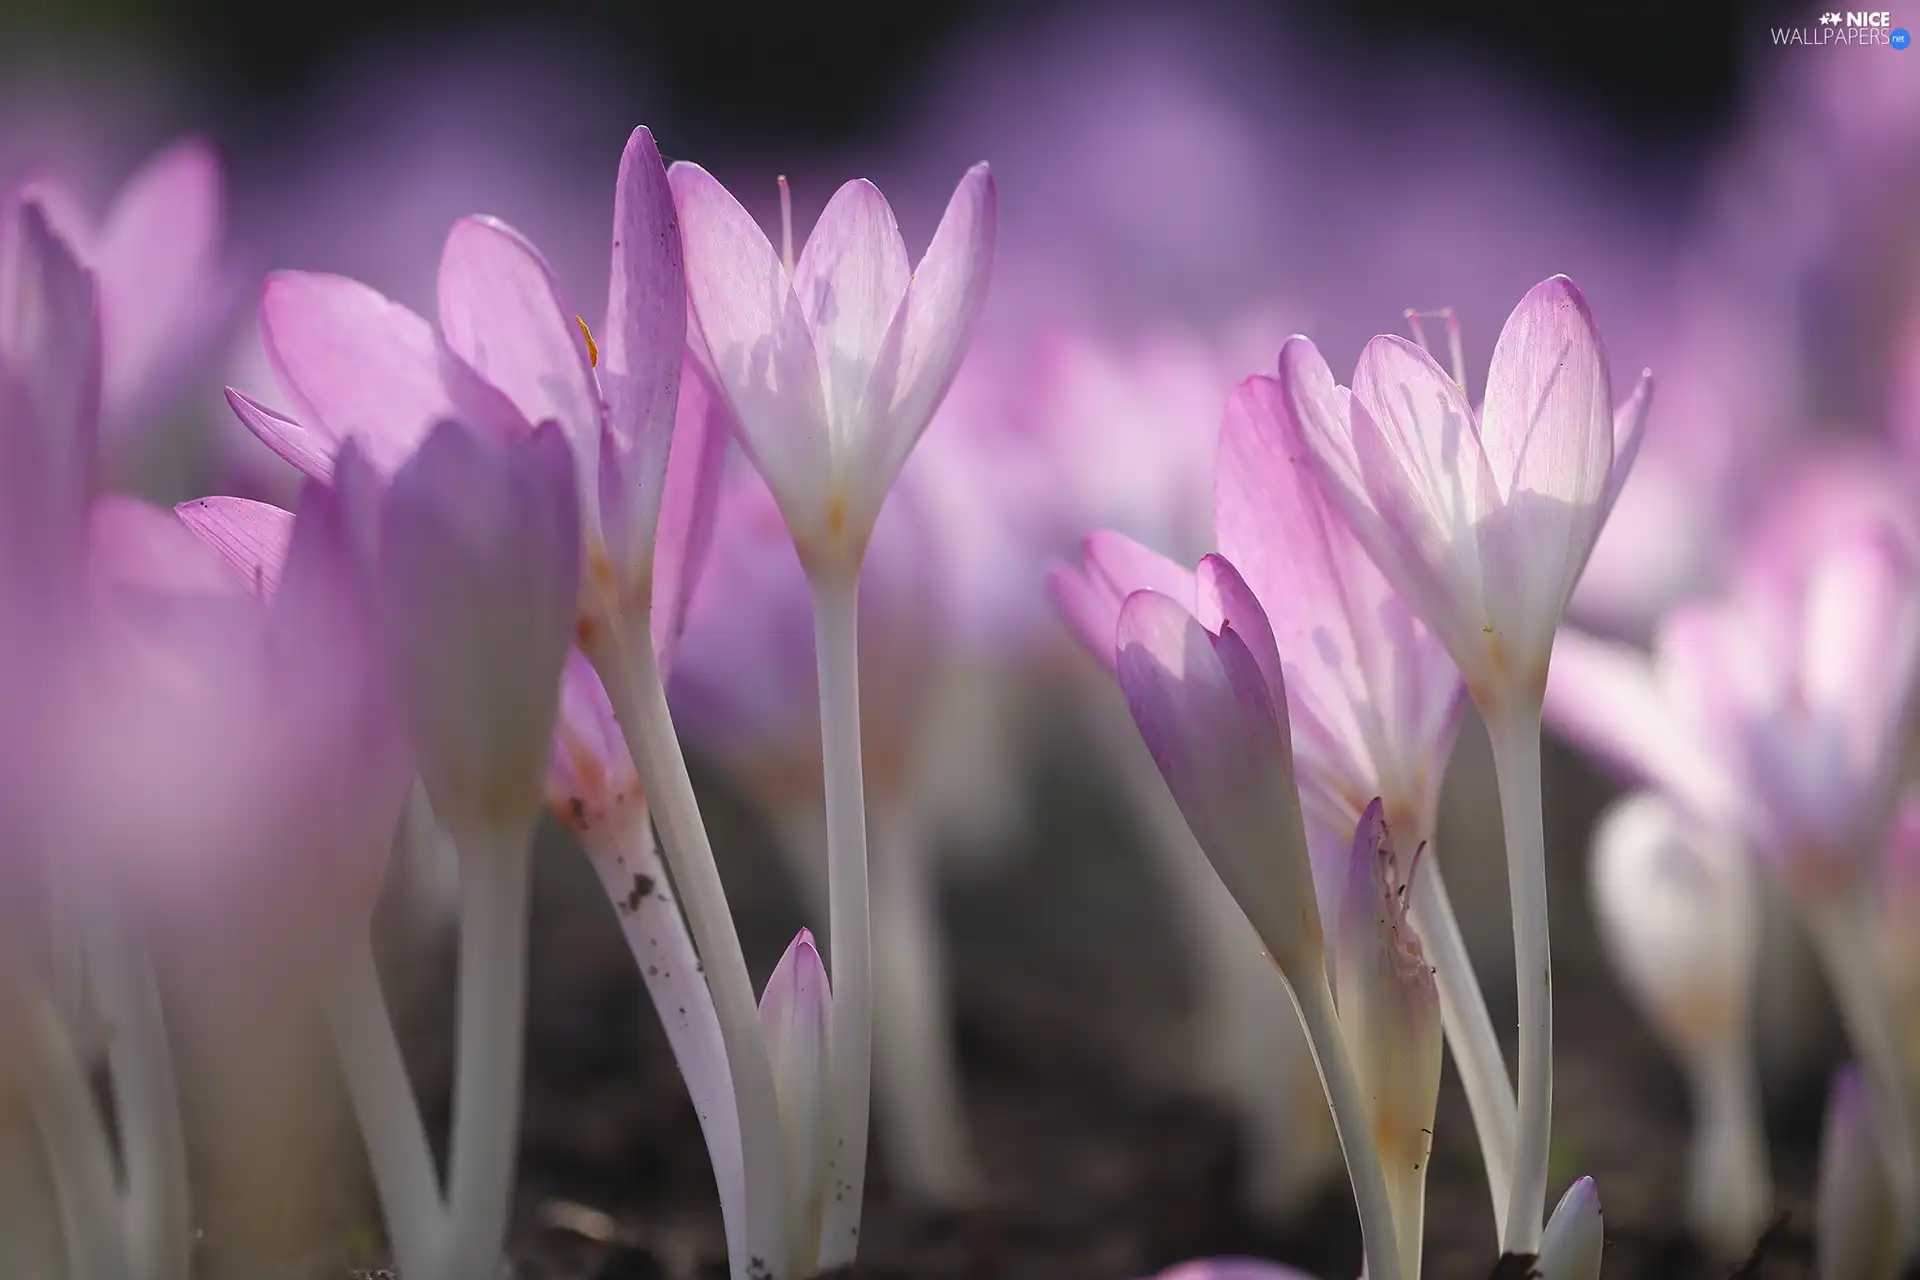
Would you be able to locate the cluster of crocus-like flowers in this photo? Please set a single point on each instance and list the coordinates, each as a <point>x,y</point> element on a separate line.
<point>1407,550</point>
<point>465,619</point>
<point>470,618</point>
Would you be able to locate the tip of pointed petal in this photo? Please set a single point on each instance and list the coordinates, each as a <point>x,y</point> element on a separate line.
<point>642,137</point>
<point>1583,1197</point>
<point>803,941</point>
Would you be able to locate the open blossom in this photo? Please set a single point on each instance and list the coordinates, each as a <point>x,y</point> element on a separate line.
<point>1481,520</point>
<point>509,352</point>
<point>1748,713</point>
<point>165,292</point>
<point>835,363</point>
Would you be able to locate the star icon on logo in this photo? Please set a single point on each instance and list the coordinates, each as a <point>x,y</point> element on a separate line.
<point>1829,19</point>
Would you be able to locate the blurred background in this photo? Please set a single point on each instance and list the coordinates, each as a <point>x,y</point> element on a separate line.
<point>1182,185</point>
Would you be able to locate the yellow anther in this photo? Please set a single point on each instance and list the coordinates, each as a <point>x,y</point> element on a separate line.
<point>593,348</point>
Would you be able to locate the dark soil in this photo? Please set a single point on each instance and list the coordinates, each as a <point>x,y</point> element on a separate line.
<point>1097,1164</point>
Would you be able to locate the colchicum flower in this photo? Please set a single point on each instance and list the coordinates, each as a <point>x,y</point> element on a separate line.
<point>833,365</point>
<point>835,362</point>
<point>1207,694</point>
<point>1483,522</point>
<point>165,295</point>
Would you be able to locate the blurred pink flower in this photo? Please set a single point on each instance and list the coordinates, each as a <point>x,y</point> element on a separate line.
<point>166,293</point>
<point>1748,713</point>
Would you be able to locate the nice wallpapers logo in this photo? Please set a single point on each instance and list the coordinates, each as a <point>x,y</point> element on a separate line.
<point>1840,30</point>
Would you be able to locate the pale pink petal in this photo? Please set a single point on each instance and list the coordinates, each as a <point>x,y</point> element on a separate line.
<point>1547,423</point>
<point>251,536</point>
<point>644,341</point>
<point>1606,698</point>
<point>1203,709</point>
<point>1547,427</point>
<point>1429,490</point>
<point>850,280</point>
<point>1629,427</point>
<point>50,391</point>
<point>158,261</point>
<point>930,333</point>
<point>307,452</point>
<point>1862,615</point>
<point>1375,698</point>
<point>134,544</point>
<point>503,312</point>
<point>478,580</point>
<point>1089,608</point>
<point>689,506</point>
<point>355,364</point>
<point>751,327</point>
<point>1223,599</point>
<point>1126,566</point>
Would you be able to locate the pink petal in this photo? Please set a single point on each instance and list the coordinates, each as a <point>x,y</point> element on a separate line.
<point>158,261</point>
<point>1547,427</point>
<point>135,544</point>
<point>251,536</point>
<point>930,333</point>
<point>1547,424</point>
<point>1088,607</point>
<point>309,453</point>
<point>1629,426</point>
<point>1376,699</point>
<point>1606,698</point>
<point>503,312</point>
<point>1862,614</point>
<point>645,338</point>
<point>1127,567</point>
<point>1222,599</point>
<point>478,580</point>
<point>1115,566</point>
<point>1203,709</point>
<point>50,391</point>
<point>850,280</point>
<point>688,506</point>
<point>1428,489</point>
<point>750,325</point>
<point>356,365</point>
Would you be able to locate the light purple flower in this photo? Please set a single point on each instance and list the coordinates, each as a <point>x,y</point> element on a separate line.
<point>165,291</point>
<point>1482,521</point>
<point>510,351</point>
<point>1749,713</point>
<point>796,1016</point>
<point>1209,702</point>
<point>833,365</point>
<point>478,578</point>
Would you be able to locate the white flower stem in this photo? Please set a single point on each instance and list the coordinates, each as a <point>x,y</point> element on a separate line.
<point>1352,1121</point>
<point>495,870</point>
<point>915,1073</point>
<point>384,1103</point>
<point>631,675</point>
<point>1843,937</point>
<point>1729,1191</point>
<point>1515,735</point>
<point>622,853</point>
<point>146,1096</point>
<point>836,651</point>
<point>1470,1037</point>
<point>79,1156</point>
